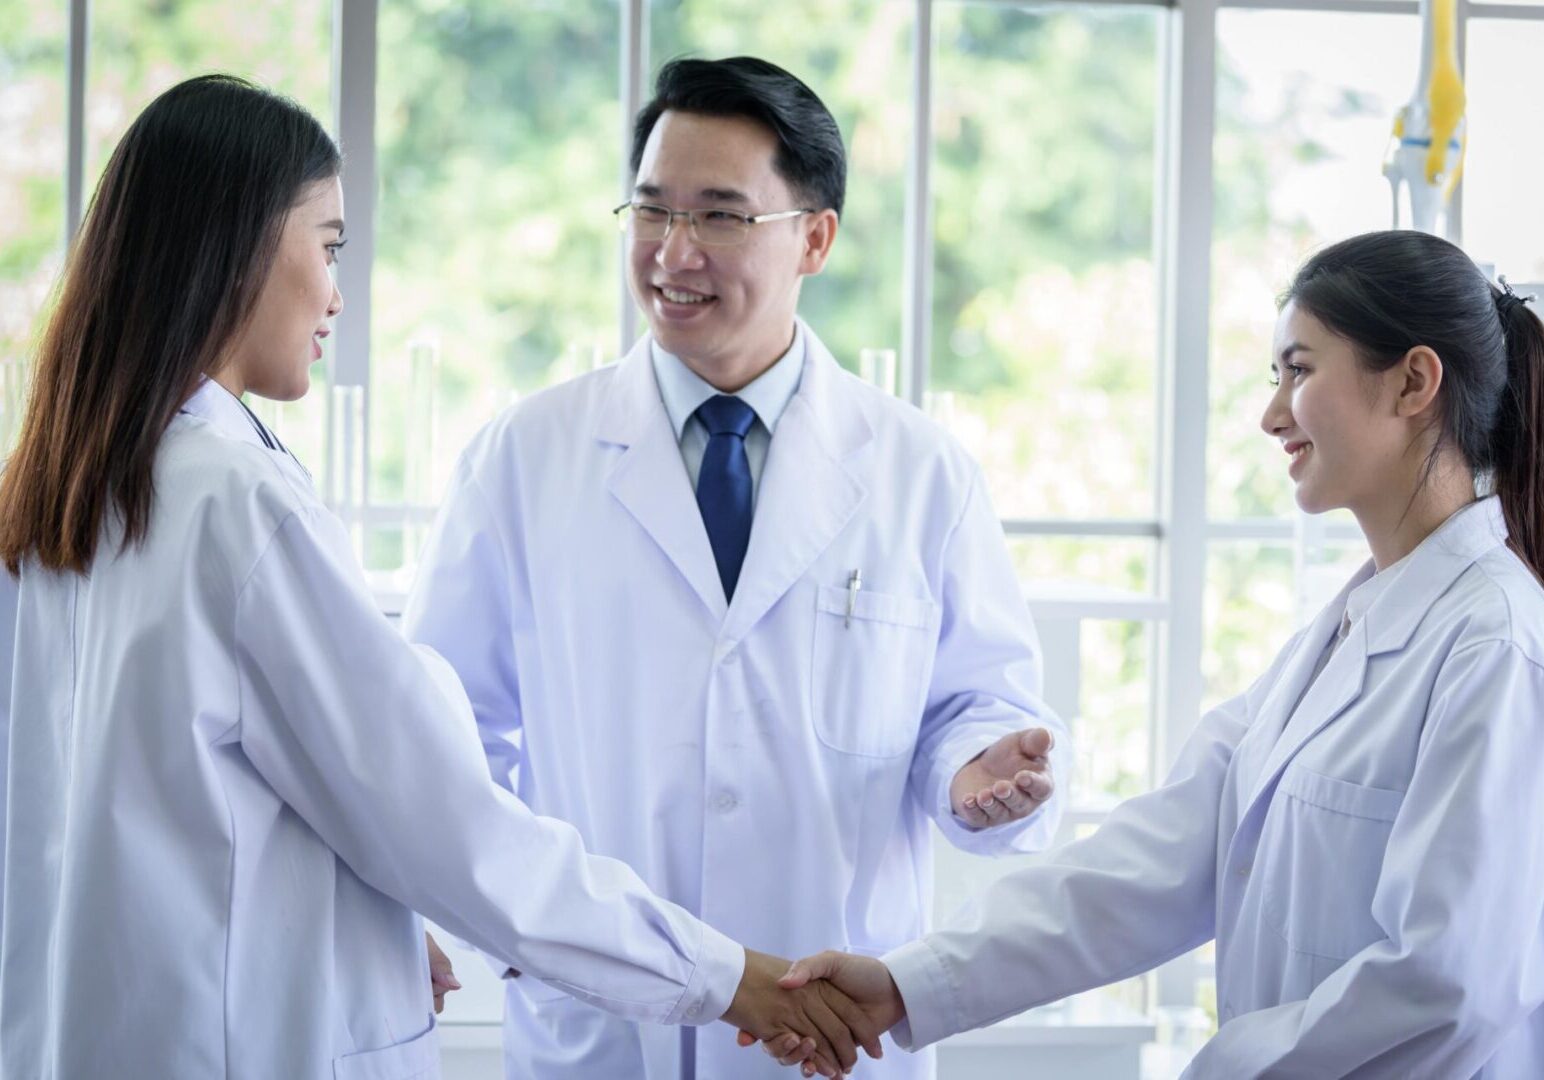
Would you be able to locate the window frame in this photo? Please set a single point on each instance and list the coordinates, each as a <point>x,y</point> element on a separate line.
<point>1179,526</point>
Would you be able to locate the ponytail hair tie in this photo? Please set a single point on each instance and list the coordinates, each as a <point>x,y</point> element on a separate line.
<point>1508,298</point>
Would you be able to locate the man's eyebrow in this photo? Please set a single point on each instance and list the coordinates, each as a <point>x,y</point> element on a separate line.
<point>724,195</point>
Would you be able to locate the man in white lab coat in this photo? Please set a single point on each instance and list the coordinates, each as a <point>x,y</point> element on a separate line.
<point>745,621</point>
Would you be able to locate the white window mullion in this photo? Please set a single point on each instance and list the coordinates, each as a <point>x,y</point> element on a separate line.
<point>1186,223</point>
<point>633,76</point>
<point>353,101</point>
<point>75,120</point>
<point>917,311</point>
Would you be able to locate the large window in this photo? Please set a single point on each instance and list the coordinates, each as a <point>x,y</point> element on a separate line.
<point>495,257</point>
<point>1502,226</point>
<point>1045,296</point>
<point>1017,208</point>
<point>1300,137</point>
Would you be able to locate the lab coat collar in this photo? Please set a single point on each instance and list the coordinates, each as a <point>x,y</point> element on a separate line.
<point>217,405</point>
<point>1397,608</point>
<point>1428,571</point>
<point>807,495</point>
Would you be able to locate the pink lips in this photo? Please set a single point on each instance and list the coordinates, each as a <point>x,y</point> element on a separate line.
<point>1292,448</point>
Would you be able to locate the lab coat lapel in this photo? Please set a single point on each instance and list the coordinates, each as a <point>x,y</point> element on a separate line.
<point>1258,754</point>
<point>1387,627</point>
<point>807,493</point>
<point>1337,687</point>
<point>650,479</point>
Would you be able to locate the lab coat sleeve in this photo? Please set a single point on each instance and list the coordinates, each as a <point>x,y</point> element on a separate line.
<point>1135,894</point>
<point>460,607</point>
<point>370,740</point>
<point>8,597</point>
<point>1460,898</point>
<point>986,682</point>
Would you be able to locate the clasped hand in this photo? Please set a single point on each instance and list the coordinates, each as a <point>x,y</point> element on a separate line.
<point>801,1019</point>
<point>822,1008</point>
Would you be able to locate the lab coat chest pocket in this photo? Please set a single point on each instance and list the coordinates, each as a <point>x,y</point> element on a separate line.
<point>1323,850</point>
<point>869,672</point>
<point>417,1058</point>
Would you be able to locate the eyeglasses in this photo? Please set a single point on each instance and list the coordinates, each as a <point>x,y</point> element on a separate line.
<point>650,222</point>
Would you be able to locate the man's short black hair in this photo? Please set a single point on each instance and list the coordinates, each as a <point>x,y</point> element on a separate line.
<point>810,156</point>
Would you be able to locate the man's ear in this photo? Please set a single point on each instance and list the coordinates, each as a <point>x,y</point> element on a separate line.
<point>819,234</point>
<point>1418,377</point>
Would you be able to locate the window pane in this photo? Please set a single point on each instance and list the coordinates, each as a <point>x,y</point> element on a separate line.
<point>1505,155</point>
<point>859,64</point>
<point>32,125</point>
<point>496,258</point>
<point>1045,297</point>
<point>139,50</point>
<point>1305,104</point>
<point>1113,723</point>
<point>1097,658</point>
<point>1249,614</point>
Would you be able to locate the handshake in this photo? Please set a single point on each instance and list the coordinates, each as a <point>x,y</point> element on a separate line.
<point>818,1012</point>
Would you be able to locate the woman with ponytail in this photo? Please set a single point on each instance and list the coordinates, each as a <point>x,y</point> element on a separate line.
<point>226,782</point>
<point>1362,831</point>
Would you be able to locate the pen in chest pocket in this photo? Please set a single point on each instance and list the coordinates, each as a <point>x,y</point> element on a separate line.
<point>854,583</point>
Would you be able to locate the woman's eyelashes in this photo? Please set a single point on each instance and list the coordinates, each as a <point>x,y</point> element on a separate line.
<point>333,249</point>
<point>1290,372</point>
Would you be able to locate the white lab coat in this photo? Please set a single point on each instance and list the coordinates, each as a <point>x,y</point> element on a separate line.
<point>8,598</point>
<point>230,779</point>
<point>764,764</point>
<point>1371,864</point>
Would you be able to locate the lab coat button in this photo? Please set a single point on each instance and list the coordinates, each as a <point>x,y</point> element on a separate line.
<point>1243,871</point>
<point>727,656</point>
<point>724,802</point>
<point>1227,1013</point>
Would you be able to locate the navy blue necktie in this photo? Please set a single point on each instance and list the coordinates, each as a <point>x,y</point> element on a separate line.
<point>724,484</point>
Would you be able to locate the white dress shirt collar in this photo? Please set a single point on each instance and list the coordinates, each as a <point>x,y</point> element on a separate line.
<point>683,390</point>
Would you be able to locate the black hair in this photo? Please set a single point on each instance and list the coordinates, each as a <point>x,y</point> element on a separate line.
<point>810,155</point>
<point>171,258</point>
<point>1388,292</point>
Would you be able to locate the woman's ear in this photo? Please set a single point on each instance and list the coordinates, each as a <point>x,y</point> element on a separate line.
<point>1418,377</point>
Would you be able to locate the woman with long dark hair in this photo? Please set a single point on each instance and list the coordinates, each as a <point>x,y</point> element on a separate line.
<point>229,783</point>
<point>1362,832</point>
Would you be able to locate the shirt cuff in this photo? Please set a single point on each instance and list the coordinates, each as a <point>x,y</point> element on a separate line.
<point>927,993</point>
<point>715,978</point>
